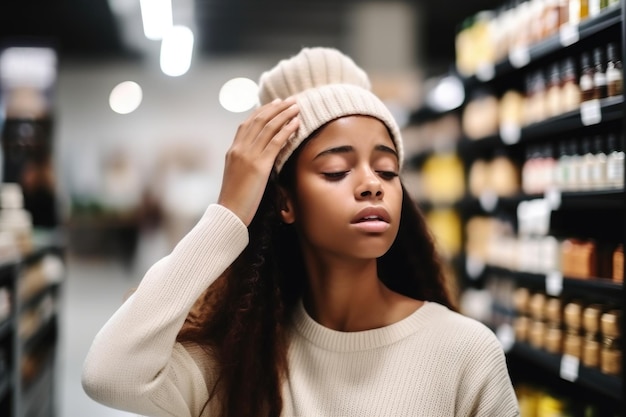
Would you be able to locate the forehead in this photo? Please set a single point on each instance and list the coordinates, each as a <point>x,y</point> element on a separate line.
<point>356,130</point>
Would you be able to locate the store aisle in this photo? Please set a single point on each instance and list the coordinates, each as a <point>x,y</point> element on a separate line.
<point>92,292</point>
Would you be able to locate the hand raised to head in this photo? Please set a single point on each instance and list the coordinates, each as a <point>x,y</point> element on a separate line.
<point>250,159</point>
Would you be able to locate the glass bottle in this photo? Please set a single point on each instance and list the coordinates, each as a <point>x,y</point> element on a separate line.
<point>549,168</point>
<point>553,92</point>
<point>614,81</point>
<point>563,12</point>
<point>586,165</point>
<point>594,7</point>
<point>614,162</point>
<point>598,170</point>
<point>563,167</point>
<point>599,74</point>
<point>570,91</point>
<point>578,11</point>
<point>575,166</point>
<point>586,78</point>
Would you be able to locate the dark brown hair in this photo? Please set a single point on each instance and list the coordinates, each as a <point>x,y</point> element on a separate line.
<point>243,317</point>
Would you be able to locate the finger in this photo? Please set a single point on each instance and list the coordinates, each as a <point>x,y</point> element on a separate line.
<point>274,126</point>
<point>277,141</point>
<point>261,116</point>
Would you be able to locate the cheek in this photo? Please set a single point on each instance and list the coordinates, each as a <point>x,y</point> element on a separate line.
<point>319,206</point>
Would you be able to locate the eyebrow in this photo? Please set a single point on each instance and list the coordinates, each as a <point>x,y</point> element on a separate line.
<point>348,149</point>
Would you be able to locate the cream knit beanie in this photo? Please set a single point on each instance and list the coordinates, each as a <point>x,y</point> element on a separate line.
<point>327,85</point>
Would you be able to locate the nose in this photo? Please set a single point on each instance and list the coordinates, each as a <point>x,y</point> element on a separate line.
<point>370,186</point>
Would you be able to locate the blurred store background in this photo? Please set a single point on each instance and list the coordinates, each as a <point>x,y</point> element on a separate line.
<point>115,116</point>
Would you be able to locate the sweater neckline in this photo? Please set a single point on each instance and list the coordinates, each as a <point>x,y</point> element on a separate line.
<point>339,341</point>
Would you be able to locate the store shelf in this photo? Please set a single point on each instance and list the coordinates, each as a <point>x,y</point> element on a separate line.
<point>600,289</point>
<point>7,270</point>
<point>45,331</point>
<point>591,113</point>
<point>607,19</point>
<point>5,327</point>
<point>596,215</point>
<point>601,199</point>
<point>591,378</point>
<point>36,298</point>
<point>5,384</point>
<point>37,393</point>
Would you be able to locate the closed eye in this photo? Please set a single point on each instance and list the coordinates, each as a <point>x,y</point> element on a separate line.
<point>387,175</point>
<point>334,176</point>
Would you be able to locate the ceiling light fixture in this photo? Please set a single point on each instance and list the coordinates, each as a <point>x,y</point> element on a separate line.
<point>176,51</point>
<point>157,18</point>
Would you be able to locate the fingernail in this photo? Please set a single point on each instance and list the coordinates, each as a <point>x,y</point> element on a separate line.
<point>276,101</point>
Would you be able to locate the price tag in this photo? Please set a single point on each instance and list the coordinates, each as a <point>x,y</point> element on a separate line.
<point>569,34</point>
<point>474,267</point>
<point>554,283</point>
<point>506,336</point>
<point>485,72</point>
<point>569,368</point>
<point>519,57</point>
<point>510,133</point>
<point>488,201</point>
<point>590,112</point>
<point>553,197</point>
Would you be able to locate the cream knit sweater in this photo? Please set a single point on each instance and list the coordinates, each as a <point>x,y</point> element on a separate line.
<point>433,363</point>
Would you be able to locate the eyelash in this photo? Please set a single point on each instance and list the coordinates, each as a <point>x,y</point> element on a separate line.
<point>335,176</point>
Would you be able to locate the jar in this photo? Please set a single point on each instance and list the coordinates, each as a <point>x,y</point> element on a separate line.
<point>537,334</point>
<point>553,310</point>
<point>521,297</point>
<point>591,318</point>
<point>521,327</point>
<point>591,351</point>
<point>537,306</point>
<point>572,345</point>
<point>573,315</point>
<point>610,324</point>
<point>611,357</point>
<point>553,342</point>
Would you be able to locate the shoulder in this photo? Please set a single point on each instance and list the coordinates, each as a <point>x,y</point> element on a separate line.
<point>457,330</point>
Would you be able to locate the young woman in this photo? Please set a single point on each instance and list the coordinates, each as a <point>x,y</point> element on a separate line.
<point>312,287</point>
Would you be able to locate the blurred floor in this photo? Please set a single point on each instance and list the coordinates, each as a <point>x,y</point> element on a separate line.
<point>93,291</point>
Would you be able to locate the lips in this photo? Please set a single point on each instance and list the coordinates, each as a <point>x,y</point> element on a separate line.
<point>371,214</point>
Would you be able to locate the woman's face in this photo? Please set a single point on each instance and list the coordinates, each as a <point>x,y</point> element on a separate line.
<point>348,195</point>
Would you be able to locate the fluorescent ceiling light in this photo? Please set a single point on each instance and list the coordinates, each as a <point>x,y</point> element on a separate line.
<point>125,97</point>
<point>157,18</point>
<point>239,95</point>
<point>176,51</point>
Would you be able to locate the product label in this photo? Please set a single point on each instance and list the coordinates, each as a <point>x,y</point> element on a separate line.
<point>510,133</point>
<point>554,283</point>
<point>568,34</point>
<point>519,57</point>
<point>485,72</point>
<point>598,174</point>
<point>590,112</point>
<point>569,368</point>
<point>553,194</point>
<point>615,172</point>
<point>586,83</point>
<point>474,267</point>
<point>488,201</point>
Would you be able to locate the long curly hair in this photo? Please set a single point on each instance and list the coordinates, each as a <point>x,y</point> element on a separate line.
<point>242,320</point>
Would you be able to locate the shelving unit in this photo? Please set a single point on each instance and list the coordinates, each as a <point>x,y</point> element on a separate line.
<point>592,213</point>
<point>28,337</point>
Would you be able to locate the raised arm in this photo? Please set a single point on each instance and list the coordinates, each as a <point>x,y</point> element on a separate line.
<point>135,363</point>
